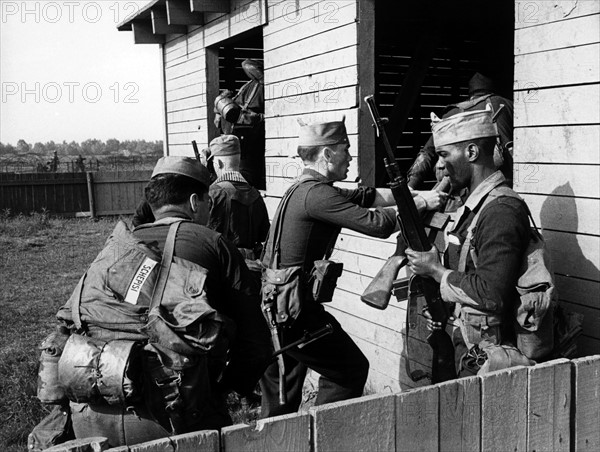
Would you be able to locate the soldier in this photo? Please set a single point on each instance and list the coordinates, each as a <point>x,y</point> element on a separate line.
<point>238,210</point>
<point>211,287</point>
<point>311,223</point>
<point>482,278</point>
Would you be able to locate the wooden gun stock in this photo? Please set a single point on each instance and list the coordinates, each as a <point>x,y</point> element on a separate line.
<point>379,291</point>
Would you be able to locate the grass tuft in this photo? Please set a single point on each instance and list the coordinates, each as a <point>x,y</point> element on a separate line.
<point>42,258</point>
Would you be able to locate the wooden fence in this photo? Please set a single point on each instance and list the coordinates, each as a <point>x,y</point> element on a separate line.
<point>71,194</point>
<point>553,406</point>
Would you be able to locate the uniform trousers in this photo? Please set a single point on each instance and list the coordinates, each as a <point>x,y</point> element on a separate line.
<point>343,368</point>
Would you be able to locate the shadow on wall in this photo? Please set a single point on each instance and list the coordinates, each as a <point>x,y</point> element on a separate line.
<point>569,259</point>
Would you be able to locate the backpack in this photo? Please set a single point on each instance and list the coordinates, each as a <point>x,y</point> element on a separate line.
<point>143,332</point>
<point>533,311</point>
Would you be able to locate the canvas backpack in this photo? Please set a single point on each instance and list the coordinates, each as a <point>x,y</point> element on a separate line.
<point>533,311</point>
<point>143,332</point>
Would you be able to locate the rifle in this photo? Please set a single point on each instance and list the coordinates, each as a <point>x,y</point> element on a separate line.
<point>412,234</point>
<point>196,152</point>
<point>378,292</point>
<point>307,338</point>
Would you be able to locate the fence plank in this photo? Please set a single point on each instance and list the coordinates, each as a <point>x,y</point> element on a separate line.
<point>549,406</point>
<point>586,384</point>
<point>460,415</point>
<point>365,424</point>
<point>290,432</point>
<point>417,420</point>
<point>504,410</point>
<point>202,441</point>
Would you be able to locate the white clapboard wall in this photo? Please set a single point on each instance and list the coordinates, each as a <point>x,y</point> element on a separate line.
<point>319,60</point>
<point>191,72</point>
<point>557,142</point>
<point>313,56</point>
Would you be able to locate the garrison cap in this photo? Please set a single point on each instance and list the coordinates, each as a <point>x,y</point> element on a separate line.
<point>463,126</point>
<point>323,133</point>
<point>185,166</point>
<point>224,145</point>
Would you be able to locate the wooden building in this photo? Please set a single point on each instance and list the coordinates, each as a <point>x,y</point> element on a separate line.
<point>322,57</point>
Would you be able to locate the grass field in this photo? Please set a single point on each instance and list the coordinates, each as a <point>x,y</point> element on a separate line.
<point>41,260</point>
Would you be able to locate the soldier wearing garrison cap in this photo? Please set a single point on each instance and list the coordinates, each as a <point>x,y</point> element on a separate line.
<point>487,241</point>
<point>482,92</point>
<point>238,210</point>
<point>310,224</point>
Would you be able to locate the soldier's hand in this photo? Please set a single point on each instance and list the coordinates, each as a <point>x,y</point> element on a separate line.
<point>433,199</point>
<point>204,155</point>
<point>425,263</point>
<point>431,325</point>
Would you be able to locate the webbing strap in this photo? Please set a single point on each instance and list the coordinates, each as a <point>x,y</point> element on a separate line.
<point>497,192</point>
<point>76,307</point>
<point>278,220</point>
<point>165,266</point>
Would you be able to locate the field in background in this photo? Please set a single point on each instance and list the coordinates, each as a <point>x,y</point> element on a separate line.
<point>41,260</point>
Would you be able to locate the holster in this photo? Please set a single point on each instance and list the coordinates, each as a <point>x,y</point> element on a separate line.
<point>324,276</point>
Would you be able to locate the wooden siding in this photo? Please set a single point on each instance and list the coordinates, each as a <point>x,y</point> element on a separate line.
<point>557,130</point>
<point>311,73</point>
<point>191,82</point>
<point>319,60</point>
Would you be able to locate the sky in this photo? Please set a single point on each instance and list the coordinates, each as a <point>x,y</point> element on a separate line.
<point>66,73</point>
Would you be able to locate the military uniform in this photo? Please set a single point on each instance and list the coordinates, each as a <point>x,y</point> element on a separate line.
<point>230,289</point>
<point>482,282</point>
<point>238,210</point>
<point>315,215</point>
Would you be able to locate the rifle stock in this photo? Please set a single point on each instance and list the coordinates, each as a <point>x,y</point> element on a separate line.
<point>379,291</point>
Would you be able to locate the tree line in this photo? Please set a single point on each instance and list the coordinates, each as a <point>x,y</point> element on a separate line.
<point>90,147</point>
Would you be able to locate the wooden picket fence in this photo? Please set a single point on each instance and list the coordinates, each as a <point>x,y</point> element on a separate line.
<point>73,194</point>
<point>553,406</point>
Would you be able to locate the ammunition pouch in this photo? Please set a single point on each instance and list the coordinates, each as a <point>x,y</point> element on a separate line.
<point>477,326</point>
<point>324,276</point>
<point>283,290</point>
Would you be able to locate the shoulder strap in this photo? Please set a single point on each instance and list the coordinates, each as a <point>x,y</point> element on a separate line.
<point>466,249</point>
<point>251,96</point>
<point>165,266</point>
<point>278,220</point>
